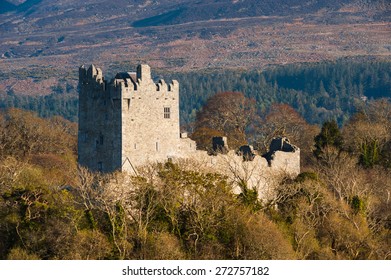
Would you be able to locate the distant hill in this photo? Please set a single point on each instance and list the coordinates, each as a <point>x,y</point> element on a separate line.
<point>212,10</point>
<point>166,12</point>
<point>44,38</point>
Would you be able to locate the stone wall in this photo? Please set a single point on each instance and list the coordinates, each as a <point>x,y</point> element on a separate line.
<point>99,141</point>
<point>129,121</point>
<point>132,121</point>
<point>255,172</point>
<point>150,120</point>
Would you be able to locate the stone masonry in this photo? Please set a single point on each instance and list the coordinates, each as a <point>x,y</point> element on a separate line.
<point>131,121</point>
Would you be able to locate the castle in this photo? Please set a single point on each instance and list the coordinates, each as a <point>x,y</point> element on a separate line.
<point>131,120</point>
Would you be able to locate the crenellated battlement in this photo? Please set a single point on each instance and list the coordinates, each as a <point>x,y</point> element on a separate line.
<point>126,83</point>
<point>91,81</point>
<point>92,74</point>
<point>142,82</point>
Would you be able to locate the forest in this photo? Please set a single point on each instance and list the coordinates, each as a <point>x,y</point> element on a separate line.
<point>317,91</point>
<point>338,207</point>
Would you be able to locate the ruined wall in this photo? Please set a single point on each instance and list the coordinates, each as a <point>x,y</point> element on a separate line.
<point>283,156</point>
<point>256,172</point>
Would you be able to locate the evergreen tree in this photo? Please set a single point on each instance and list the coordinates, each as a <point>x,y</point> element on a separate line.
<point>330,135</point>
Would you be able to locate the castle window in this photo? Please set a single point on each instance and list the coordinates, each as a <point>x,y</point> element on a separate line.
<point>167,112</point>
<point>100,166</point>
<point>101,139</point>
<point>157,146</point>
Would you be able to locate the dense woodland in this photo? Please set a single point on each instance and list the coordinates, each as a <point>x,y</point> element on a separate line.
<point>338,208</point>
<point>318,92</point>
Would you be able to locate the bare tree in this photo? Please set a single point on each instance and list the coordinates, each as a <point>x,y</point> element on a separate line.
<point>230,113</point>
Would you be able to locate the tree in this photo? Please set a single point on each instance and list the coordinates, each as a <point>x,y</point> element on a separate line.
<point>23,134</point>
<point>369,133</point>
<point>229,113</point>
<point>203,137</point>
<point>283,121</point>
<point>330,136</point>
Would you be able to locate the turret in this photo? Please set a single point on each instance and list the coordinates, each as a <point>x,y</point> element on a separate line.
<point>144,73</point>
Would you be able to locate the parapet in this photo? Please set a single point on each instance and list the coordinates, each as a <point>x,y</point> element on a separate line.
<point>281,144</point>
<point>247,152</point>
<point>91,78</point>
<point>129,79</point>
<point>220,145</point>
<point>283,155</point>
<point>142,79</point>
<point>92,73</point>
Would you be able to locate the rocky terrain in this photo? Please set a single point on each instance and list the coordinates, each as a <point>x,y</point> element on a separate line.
<point>43,42</point>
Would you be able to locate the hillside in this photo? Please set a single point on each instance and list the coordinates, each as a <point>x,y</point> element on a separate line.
<point>299,64</point>
<point>337,209</point>
<point>42,39</point>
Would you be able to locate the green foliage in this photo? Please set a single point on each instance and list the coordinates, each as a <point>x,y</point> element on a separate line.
<point>357,204</point>
<point>90,218</point>
<point>249,197</point>
<point>369,154</point>
<point>50,209</point>
<point>330,136</point>
<point>59,103</point>
<point>318,91</point>
<point>370,131</point>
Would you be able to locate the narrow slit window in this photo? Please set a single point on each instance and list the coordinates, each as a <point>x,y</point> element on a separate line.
<point>167,112</point>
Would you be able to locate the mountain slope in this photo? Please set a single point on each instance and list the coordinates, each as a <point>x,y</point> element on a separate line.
<point>207,10</point>
<point>6,6</point>
<point>44,37</point>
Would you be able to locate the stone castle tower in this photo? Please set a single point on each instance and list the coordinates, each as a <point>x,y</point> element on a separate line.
<point>128,121</point>
<point>131,120</point>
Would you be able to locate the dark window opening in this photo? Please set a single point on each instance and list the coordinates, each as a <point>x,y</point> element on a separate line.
<point>167,112</point>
